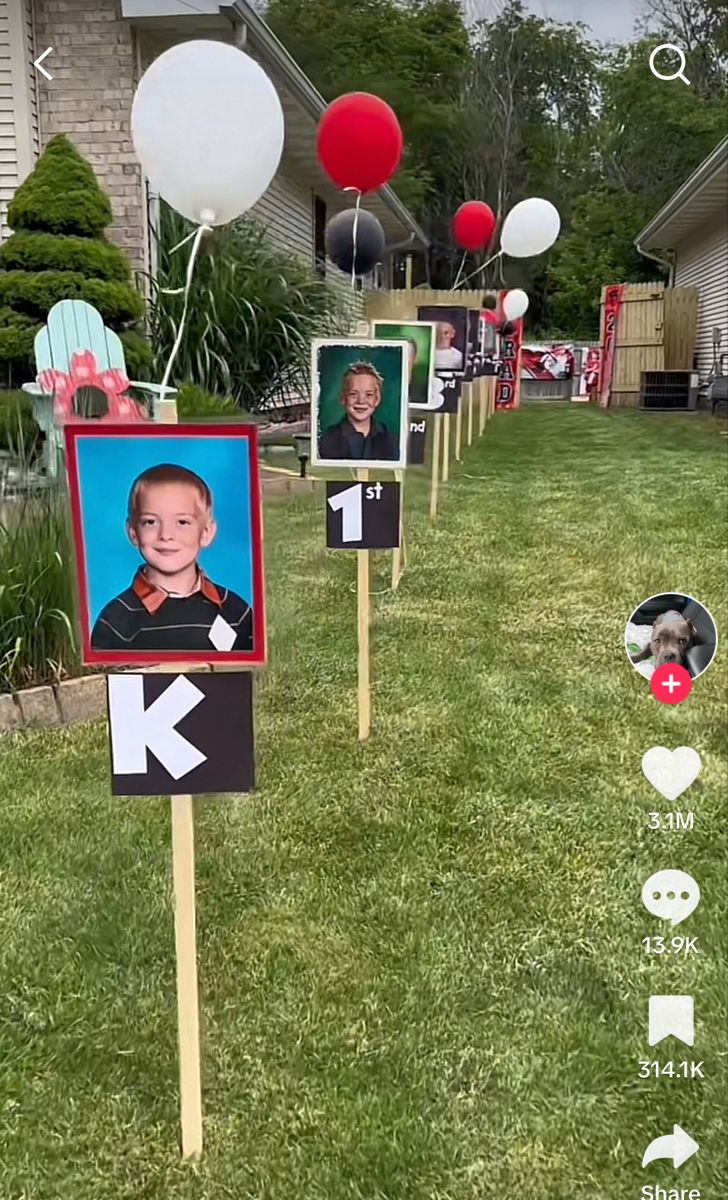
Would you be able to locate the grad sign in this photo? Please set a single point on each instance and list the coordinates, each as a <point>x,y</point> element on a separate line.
<point>181,735</point>
<point>359,390</point>
<point>420,339</point>
<point>508,388</point>
<point>362,516</point>
<point>167,531</point>
<point>451,338</point>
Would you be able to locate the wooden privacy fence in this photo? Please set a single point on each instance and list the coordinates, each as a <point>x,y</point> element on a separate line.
<point>656,331</point>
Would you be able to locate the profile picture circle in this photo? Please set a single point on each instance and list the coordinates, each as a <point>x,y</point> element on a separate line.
<point>671,629</point>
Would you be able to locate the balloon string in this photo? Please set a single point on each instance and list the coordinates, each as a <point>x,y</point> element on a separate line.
<point>479,269</point>
<point>355,231</point>
<point>197,235</point>
<point>460,271</point>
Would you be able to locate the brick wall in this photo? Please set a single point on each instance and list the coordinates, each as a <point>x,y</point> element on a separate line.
<point>89,99</point>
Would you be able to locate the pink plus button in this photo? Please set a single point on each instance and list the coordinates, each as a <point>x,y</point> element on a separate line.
<point>671,684</point>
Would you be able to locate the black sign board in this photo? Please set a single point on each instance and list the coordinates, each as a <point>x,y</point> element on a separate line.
<point>417,440</point>
<point>176,735</point>
<point>362,516</point>
<point>450,389</point>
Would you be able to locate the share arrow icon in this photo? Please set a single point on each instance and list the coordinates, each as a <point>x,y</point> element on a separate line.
<point>678,1145</point>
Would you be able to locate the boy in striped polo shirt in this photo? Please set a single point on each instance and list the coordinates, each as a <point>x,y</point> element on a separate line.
<point>171,604</point>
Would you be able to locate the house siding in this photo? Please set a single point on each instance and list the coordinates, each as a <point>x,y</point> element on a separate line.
<point>286,213</point>
<point>89,98</point>
<point>18,101</point>
<point>702,263</point>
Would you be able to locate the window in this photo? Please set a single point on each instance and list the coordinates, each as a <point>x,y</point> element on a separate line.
<point>319,236</point>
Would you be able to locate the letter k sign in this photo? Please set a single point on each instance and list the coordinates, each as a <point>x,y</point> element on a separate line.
<point>211,752</point>
<point>136,729</point>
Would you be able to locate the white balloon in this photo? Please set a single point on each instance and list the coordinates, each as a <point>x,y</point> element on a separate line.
<point>530,228</point>
<point>515,304</point>
<point>207,127</point>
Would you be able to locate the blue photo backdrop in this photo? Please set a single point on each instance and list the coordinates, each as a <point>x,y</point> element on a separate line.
<point>107,468</point>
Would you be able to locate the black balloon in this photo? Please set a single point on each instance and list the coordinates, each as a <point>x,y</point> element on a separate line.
<point>370,241</point>
<point>508,329</point>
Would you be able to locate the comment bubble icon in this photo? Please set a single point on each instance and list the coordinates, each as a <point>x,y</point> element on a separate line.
<point>671,895</point>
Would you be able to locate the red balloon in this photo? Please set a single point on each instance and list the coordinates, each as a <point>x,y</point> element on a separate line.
<point>359,142</point>
<point>473,225</point>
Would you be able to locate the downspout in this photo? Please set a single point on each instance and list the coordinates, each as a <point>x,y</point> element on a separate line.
<point>667,264</point>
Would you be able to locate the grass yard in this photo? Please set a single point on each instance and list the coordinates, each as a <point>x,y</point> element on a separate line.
<point>420,959</point>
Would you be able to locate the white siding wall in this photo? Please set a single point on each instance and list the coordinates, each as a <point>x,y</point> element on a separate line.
<point>8,149</point>
<point>18,103</point>
<point>286,213</point>
<point>702,262</point>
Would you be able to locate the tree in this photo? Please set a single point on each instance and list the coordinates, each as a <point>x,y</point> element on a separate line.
<point>698,26</point>
<point>653,134</point>
<point>58,252</point>
<point>410,53</point>
<point>530,111</point>
<point>597,249</point>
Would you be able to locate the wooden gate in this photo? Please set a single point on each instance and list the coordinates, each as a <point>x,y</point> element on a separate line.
<point>655,332</point>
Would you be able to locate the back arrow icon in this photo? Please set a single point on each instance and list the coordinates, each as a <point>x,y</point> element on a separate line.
<point>678,1145</point>
<point>39,60</point>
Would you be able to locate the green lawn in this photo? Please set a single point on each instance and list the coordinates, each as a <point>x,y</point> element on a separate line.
<point>420,959</point>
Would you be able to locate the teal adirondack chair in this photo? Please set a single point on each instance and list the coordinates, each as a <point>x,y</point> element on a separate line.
<point>81,371</point>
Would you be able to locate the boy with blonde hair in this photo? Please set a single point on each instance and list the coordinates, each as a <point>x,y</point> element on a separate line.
<point>171,604</point>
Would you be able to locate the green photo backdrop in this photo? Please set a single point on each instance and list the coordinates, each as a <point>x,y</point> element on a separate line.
<point>333,363</point>
<point>424,336</point>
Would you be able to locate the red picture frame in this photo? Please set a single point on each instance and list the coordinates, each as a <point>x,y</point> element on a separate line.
<point>256,657</point>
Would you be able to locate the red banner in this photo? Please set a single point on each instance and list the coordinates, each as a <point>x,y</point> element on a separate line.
<point>508,384</point>
<point>612,305</point>
<point>547,362</point>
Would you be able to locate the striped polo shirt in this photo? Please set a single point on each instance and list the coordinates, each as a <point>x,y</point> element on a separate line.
<point>146,618</point>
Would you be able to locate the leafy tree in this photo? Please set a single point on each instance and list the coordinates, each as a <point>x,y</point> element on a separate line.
<point>529,108</point>
<point>58,252</point>
<point>597,249</point>
<point>411,54</point>
<point>652,134</point>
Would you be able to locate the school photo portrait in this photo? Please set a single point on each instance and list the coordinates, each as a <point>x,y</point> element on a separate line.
<point>451,336</point>
<point>167,533</point>
<point>359,392</point>
<point>420,339</point>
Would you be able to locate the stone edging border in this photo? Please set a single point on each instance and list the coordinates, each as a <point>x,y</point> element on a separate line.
<point>55,704</point>
<point>49,705</point>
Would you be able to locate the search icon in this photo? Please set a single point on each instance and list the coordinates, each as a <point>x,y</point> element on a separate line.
<point>680,55</point>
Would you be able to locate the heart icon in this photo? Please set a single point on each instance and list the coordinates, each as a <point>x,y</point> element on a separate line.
<point>671,771</point>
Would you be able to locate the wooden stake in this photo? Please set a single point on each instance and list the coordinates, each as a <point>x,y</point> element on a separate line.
<point>459,432</point>
<point>183,868</point>
<point>471,406</point>
<point>446,447</point>
<point>397,552</point>
<point>435,476</point>
<point>484,386</point>
<point>363,624</point>
<point>185,936</point>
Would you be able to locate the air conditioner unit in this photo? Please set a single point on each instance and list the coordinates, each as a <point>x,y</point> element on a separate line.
<point>669,391</point>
